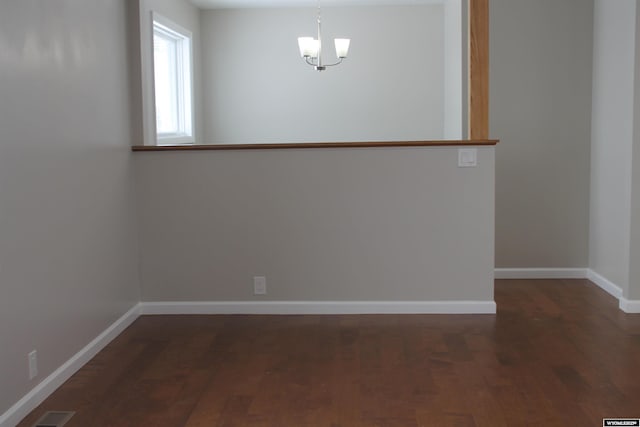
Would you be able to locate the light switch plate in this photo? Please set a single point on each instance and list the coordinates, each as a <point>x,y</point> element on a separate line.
<point>467,157</point>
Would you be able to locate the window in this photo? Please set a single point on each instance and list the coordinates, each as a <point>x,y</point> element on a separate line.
<point>172,72</point>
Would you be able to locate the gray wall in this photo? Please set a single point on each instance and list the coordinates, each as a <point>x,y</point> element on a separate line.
<point>258,88</point>
<point>68,249</point>
<point>611,143</point>
<point>540,103</point>
<point>329,224</point>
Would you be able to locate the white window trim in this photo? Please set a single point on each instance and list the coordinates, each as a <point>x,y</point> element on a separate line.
<point>187,115</point>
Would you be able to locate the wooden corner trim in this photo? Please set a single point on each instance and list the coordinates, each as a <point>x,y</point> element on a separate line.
<point>478,69</point>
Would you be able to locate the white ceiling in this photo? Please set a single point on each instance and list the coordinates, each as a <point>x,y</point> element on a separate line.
<point>230,4</point>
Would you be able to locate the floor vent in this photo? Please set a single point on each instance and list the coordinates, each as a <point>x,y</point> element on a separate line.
<point>54,419</point>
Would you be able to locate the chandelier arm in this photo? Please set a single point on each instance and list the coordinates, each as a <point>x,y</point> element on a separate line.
<point>334,64</point>
<point>306,58</point>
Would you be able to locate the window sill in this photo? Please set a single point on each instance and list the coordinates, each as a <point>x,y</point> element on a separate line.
<point>279,146</point>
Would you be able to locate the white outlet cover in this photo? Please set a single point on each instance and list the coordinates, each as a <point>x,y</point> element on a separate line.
<point>259,285</point>
<point>467,157</point>
<point>33,364</point>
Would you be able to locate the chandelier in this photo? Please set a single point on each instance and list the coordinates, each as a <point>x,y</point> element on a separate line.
<point>311,49</point>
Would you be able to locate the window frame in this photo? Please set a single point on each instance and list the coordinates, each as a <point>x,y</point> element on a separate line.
<point>184,81</point>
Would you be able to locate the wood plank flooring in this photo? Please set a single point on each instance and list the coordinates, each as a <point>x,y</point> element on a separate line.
<point>558,353</point>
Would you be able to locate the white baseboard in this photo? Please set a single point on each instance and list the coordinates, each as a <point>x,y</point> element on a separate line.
<point>38,394</point>
<point>540,273</point>
<point>629,306</point>
<point>605,284</point>
<point>319,307</point>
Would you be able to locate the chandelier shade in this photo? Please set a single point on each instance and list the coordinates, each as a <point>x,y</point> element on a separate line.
<point>342,47</point>
<point>308,47</point>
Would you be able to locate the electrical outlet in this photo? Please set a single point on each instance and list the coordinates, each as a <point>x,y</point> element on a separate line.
<point>33,364</point>
<point>259,285</point>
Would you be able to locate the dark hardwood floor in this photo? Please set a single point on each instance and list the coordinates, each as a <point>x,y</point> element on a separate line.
<point>558,353</point>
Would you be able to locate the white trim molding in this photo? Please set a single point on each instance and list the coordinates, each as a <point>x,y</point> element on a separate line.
<point>541,273</point>
<point>319,307</point>
<point>605,284</point>
<point>629,306</point>
<point>38,394</point>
